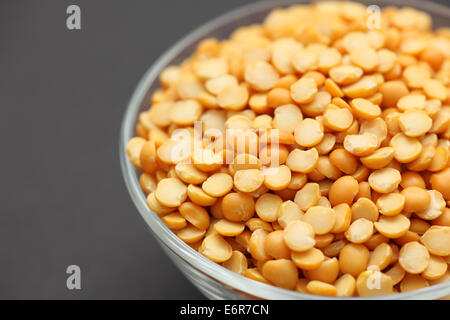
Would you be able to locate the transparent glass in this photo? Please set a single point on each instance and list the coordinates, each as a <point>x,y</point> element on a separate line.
<point>214,281</point>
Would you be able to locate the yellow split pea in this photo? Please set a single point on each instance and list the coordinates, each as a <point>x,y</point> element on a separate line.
<point>309,132</point>
<point>321,162</point>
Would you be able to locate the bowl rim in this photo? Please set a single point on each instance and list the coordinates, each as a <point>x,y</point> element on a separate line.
<point>162,232</point>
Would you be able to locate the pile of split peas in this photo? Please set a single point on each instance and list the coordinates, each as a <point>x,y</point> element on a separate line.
<point>355,125</point>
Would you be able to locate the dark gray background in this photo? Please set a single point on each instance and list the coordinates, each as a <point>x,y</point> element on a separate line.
<point>62,96</point>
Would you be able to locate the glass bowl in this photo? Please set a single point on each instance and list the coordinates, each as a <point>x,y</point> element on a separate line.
<point>214,281</point>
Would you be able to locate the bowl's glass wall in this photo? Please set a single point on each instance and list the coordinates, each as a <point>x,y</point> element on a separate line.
<point>213,280</point>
